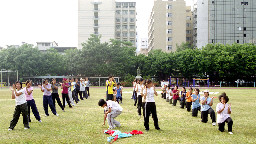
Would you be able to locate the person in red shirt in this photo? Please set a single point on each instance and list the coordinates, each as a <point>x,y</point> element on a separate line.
<point>175,95</point>
<point>65,87</point>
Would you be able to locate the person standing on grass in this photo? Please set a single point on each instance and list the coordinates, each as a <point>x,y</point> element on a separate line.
<point>133,88</point>
<point>109,87</point>
<point>64,87</point>
<point>223,113</point>
<point>113,109</point>
<point>136,94</point>
<point>164,91</point>
<point>21,106</point>
<point>47,98</point>
<point>150,106</point>
<point>175,95</point>
<point>189,99</point>
<point>78,90</point>
<point>139,91</point>
<point>55,95</point>
<point>206,109</point>
<point>171,96</point>
<point>82,88</point>
<point>73,84</point>
<point>182,97</point>
<point>118,91</point>
<point>31,102</point>
<point>70,89</point>
<point>87,86</point>
<point>195,103</point>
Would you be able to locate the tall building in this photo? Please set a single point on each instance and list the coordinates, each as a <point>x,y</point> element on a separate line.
<point>226,21</point>
<point>189,25</point>
<point>167,25</point>
<point>125,29</point>
<point>43,46</point>
<point>107,18</point>
<point>96,17</point>
<point>143,46</point>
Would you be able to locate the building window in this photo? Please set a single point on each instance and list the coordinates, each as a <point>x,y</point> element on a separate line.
<point>125,19</point>
<point>244,28</point>
<point>96,15</point>
<point>244,35</point>
<point>169,14</point>
<point>125,12</point>
<point>169,31</point>
<point>188,31</point>
<point>118,26</point>
<point>169,39</point>
<point>117,19</point>
<point>188,38</point>
<point>125,5</point>
<point>118,12</point>
<point>169,22</point>
<point>132,34</point>
<point>125,34</point>
<point>188,24</point>
<point>237,41</point>
<point>132,26</point>
<point>169,47</point>
<point>132,5</point>
<point>132,12</point>
<point>96,31</point>
<point>132,19</point>
<point>118,5</point>
<point>124,27</point>
<point>96,7</point>
<point>118,34</point>
<point>169,7</point>
<point>213,2</point>
<point>188,18</point>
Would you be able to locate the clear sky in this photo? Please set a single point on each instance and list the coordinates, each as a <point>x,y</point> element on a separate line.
<point>34,21</point>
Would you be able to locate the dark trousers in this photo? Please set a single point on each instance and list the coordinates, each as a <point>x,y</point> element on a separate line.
<point>170,100</point>
<point>74,96</point>
<point>175,101</point>
<point>139,104</point>
<point>80,94</point>
<point>109,97</point>
<point>150,107</point>
<point>164,95</point>
<point>182,103</point>
<point>20,109</point>
<point>222,125</point>
<point>118,99</point>
<point>83,94</point>
<point>143,108</point>
<point>32,104</point>
<point>135,99</point>
<point>77,93</point>
<point>47,100</point>
<point>195,111</point>
<point>55,96</point>
<point>188,105</point>
<point>87,90</point>
<point>65,97</point>
<point>204,115</point>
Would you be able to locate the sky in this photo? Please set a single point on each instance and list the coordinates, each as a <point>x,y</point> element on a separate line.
<point>34,21</point>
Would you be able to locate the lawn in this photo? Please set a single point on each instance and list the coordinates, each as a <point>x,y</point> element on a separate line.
<point>83,123</point>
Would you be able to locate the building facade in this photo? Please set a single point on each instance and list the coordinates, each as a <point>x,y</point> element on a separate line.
<point>143,46</point>
<point>167,25</point>
<point>226,22</point>
<point>108,19</point>
<point>189,25</point>
<point>43,46</point>
<point>125,22</point>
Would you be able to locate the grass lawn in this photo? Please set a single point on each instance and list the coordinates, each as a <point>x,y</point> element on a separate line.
<point>83,123</point>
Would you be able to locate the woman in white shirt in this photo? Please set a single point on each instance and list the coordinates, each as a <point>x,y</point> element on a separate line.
<point>150,106</point>
<point>223,113</point>
<point>139,91</point>
<point>21,106</point>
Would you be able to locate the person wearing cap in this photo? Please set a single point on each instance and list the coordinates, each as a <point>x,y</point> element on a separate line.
<point>206,103</point>
<point>65,87</point>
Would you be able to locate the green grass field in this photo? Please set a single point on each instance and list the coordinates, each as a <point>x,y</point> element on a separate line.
<point>83,123</point>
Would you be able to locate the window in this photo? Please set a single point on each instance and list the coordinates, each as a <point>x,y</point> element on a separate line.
<point>125,12</point>
<point>188,31</point>
<point>96,7</point>
<point>118,34</point>
<point>169,47</point>
<point>132,26</point>
<point>124,27</point>
<point>118,5</point>
<point>244,3</point>
<point>188,38</point>
<point>132,34</point>
<point>96,22</point>
<point>132,5</point>
<point>169,14</point>
<point>125,34</point>
<point>118,26</point>
<point>213,2</point>
<point>169,7</point>
<point>237,41</point>
<point>96,15</point>
<point>132,12</point>
<point>118,12</point>
<point>169,39</point>
<point>244,35</point>
<point>169,22</point>
<point>188,18</point>
<point>96,31</point>
<point>125,5</point>
<point>125,19</point>
<point>117,19</point>
<point>132,19</point>
<point>169,31</point>
<point>188,24</point>
<point>47,44</point>
<point>244,28</point>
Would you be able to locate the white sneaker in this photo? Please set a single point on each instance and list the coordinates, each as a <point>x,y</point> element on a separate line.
<point>214,123</point>
<point>73,104</point>
<point>46,115</point>
<point>57,114</point>
<point>26,128</point>
<point>9,129</point>
<point>230,133</point>
<point>40,121</point>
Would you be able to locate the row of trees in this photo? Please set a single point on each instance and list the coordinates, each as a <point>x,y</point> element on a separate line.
<point>218,62</point>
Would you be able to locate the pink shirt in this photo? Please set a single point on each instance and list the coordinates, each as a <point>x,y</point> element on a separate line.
<point>65,89</point>
<point>28,97</point>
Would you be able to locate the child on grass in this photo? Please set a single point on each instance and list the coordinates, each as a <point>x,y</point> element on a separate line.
<point>21,106</point>
<point>223,113</point>
<point>111,110</point>
<point>118,91</point>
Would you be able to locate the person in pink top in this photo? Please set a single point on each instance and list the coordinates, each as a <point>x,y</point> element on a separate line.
<point>65,87</point>
<point>31,102</point>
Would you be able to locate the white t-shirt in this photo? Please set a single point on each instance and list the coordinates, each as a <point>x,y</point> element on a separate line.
<point>224,114</point>
<point>150,94</point>
<point>82,86</point>
<point>139,89</point>
<point>114,106</point>
<point>134,85</point>
<point>20,99</point>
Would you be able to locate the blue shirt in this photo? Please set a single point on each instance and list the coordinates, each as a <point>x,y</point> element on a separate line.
<point>206,106</point>
<point>118,92</point>
<point>196,103</point>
